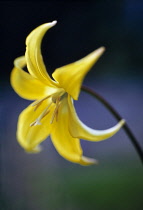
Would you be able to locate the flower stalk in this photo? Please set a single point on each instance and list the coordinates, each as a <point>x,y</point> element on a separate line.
<point>118,117</point>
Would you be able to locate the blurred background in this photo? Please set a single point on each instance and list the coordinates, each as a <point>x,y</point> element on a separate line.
<point>46,181</point>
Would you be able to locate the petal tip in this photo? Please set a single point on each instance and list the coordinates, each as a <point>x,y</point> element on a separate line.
<point>102,48</point>
<point>53,23</point>
<point>36,149</point>
<point>122,122</point>
<point>100,51</point>
<point>88,161</point>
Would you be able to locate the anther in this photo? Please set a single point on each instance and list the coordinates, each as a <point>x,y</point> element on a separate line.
<point>55,113</point>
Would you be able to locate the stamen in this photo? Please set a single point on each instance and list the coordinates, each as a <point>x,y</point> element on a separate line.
<point>38,102</point>
<point>55,113</point>
<point>42,115</point>
<point>36,122</point>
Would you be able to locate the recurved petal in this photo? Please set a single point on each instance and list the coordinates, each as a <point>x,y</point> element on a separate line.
<point>33,55</point>
<point>79,130</point>
<point>70,77</point>
<point>24,84</point>
<point>65,144</point>
<point>29,137</point>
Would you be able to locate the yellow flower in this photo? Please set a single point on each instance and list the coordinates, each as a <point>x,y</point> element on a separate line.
<point>52,112</point>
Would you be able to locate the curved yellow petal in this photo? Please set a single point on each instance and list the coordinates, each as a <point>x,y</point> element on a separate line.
<point>29,137</point>
<point>24,84</point>
<point>80,130</point>
<point>66,145</point>
<point>33,55</point>
<point>70,77</point>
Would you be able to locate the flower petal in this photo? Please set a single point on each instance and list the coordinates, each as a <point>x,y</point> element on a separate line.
<point>24,84</point>
<point>80,130</point>
<point>70,77</point>
<point>28,136</point>
<point>66,145</point>
<point>33,55</point>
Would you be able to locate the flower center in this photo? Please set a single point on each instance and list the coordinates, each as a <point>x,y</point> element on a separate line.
<point>55,99</point>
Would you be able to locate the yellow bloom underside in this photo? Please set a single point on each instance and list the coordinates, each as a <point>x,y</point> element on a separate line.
<point>52,112</point>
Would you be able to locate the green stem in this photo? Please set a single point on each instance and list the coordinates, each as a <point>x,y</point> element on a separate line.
<point>118,117</point>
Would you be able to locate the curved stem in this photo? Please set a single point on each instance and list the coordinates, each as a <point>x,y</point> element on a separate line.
<point>118,117</point>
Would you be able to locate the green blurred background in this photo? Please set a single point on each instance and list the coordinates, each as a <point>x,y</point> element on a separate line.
<point>46,181</point>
